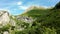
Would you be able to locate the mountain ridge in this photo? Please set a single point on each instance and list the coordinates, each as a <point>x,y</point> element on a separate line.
<point>34,21</point>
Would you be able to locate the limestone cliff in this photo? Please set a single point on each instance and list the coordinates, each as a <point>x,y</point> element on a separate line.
<point>4,17</point>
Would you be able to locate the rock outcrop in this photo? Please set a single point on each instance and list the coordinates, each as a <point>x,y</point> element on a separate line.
<point>4,17</point>
<point>25,19</point>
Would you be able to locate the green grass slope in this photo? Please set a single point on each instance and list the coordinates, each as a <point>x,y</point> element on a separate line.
<point>47,20</point>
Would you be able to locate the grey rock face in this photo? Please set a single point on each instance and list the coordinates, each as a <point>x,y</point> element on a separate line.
<point>12,22</point>
<point>25,19</point>
<point>4,18</point>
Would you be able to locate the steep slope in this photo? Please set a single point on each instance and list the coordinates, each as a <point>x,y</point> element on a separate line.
<point>57,6</point>
<point>35,20</point>
<point>45,18</point>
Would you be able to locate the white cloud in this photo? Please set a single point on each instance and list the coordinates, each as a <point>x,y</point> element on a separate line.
<point>4,9</point>
<point>23,7</point>
<point>19,3</point>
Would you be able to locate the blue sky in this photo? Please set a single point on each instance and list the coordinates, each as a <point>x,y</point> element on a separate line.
<point>16,7</point>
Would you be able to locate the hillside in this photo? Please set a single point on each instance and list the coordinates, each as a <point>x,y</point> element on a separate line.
<point>47,19</point>
<point>35,20</point>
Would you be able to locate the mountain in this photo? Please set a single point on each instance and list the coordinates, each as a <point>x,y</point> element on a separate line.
<point>35,20</point>
<point>46,20</point>
<point>58,5</point>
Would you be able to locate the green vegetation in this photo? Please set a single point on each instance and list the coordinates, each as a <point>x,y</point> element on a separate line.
<point>47,22</point>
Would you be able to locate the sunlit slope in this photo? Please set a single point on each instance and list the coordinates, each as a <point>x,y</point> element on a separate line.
<point>46,17</point>
<point>45,20</point>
